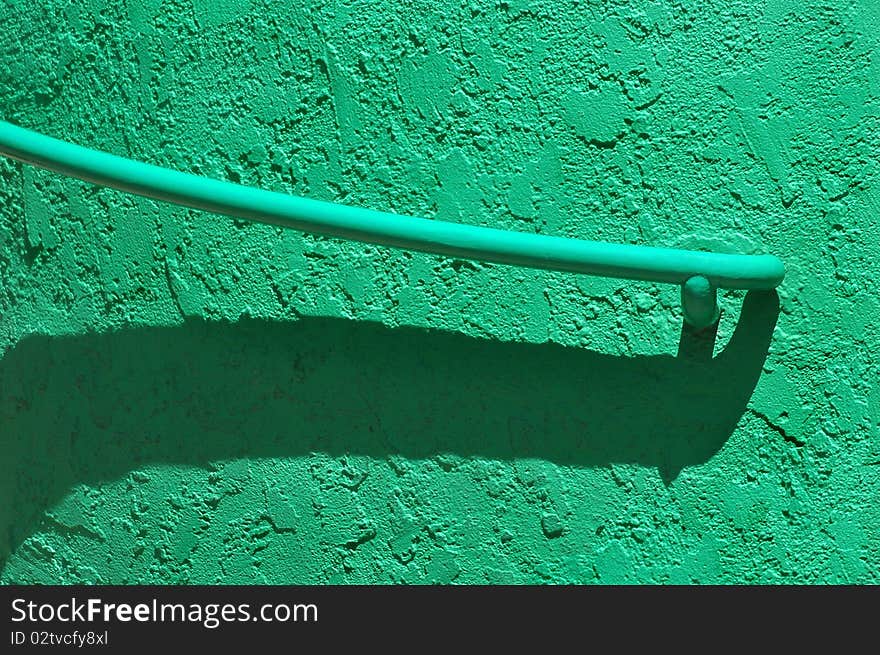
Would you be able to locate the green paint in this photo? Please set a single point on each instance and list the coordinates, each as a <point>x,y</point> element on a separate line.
<point>185,397</point>
<point>699,273</point>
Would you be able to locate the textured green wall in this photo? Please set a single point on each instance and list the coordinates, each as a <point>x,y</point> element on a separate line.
<point>190,398</point>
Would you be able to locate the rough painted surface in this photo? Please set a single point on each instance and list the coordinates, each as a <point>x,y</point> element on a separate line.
<point>190,398</point>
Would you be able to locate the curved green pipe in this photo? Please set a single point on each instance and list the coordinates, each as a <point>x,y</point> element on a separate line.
<point>453,239</point>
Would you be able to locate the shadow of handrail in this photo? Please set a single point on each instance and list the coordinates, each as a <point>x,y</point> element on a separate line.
<point>91,408</point>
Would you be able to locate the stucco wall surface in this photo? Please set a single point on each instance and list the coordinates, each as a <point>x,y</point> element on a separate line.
<point>190,398</point>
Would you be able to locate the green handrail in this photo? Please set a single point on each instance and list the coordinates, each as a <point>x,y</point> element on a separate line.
<point>700,274</point>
